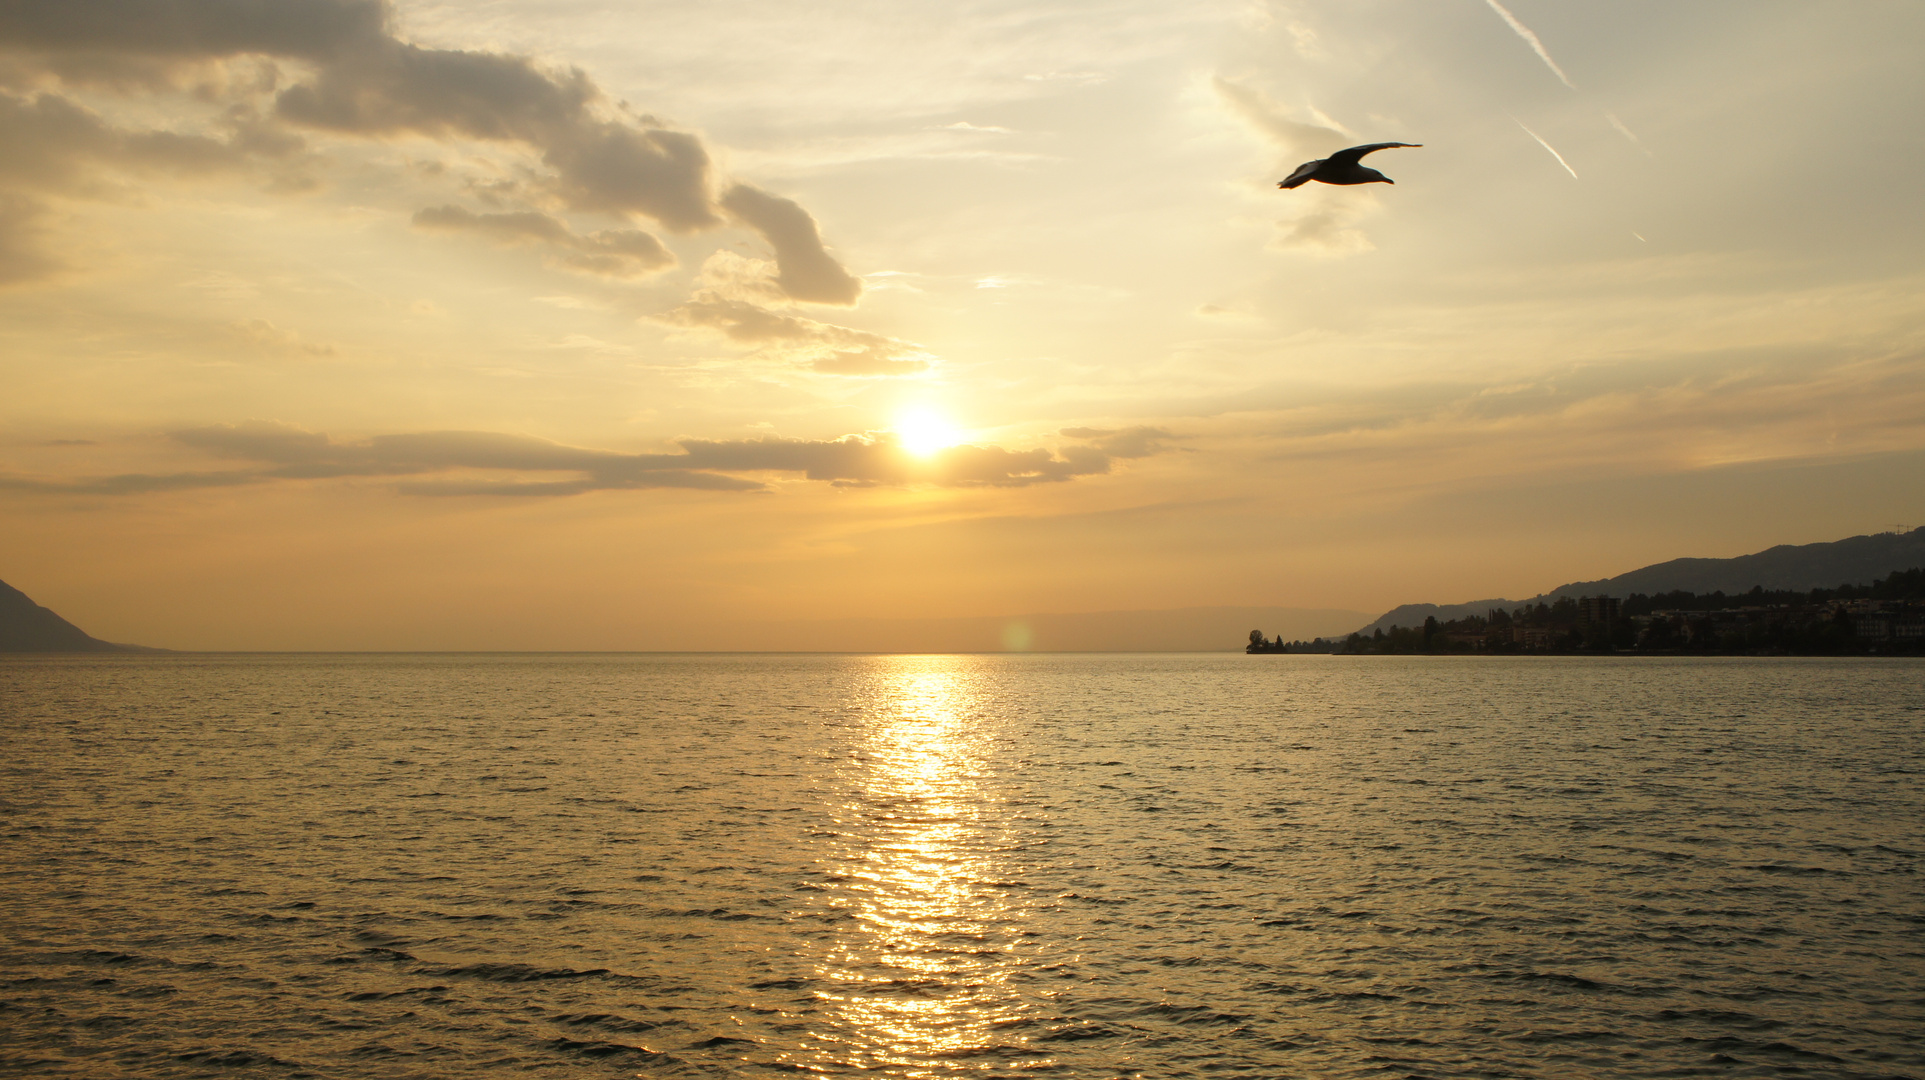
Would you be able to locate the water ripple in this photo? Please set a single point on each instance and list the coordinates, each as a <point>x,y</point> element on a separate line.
<point>923,867</point>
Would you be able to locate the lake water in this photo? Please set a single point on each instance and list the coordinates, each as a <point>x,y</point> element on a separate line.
<point>943,866</point>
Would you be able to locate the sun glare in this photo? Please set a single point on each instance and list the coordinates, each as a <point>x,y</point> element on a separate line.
<point>923,432</point>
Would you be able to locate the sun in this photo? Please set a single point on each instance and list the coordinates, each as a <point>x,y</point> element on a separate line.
<point>922,432</point>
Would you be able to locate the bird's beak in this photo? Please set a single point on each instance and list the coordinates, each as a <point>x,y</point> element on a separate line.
<point>1388,180</point>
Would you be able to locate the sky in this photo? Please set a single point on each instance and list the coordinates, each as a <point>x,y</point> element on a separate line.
<point>575,324</point>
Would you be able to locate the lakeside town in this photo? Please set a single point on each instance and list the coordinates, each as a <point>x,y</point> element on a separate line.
<point>1886,617</point>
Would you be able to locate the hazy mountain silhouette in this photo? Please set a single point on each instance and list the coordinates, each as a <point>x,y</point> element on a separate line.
<point>27,627</point>
<point>1857,560</point>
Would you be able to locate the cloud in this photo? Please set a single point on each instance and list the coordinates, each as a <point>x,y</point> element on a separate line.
<point>494,463</point>
<point>364,82</point>
<point>266,336</point>
<point>1327,229</point>
<point>368,83</point>
<point>804,269</point>
<point>50,140</point>
<point>57,148</point>
<point>290,453</point>
<point>876,460</point>
<point>620,253</point>
<point>1531,39</point>
<point>129,483</point>
<point>1324,226</point>
<point>1132,442</point>
<point>824,347</point>
<point>1079,77</point>
<point>1268,118</point>
<point>732,298</point>
<point>388,87</point>
<point>309,29</point>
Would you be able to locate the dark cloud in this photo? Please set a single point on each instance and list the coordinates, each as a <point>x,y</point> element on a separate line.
<point>310,29</point>
<point>49,140</point>
<point>130,483</point>
<point>365,82</point>
<point>660,479</point>
<point>610,167</point>
<point>388,87</point>
<point>804,269</point>
<point>290,453</point>
<point>620,253</point>
<point>492,463</point>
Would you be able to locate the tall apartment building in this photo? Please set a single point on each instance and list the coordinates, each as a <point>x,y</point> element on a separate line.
<point>1599,610</point>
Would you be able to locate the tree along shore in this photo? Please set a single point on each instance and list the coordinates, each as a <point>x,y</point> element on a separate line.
<point>1884,618</point>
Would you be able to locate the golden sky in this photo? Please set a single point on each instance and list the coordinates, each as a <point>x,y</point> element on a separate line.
<point>583,324</point>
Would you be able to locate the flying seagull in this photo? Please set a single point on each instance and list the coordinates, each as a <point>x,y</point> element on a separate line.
<point>1342,167</point>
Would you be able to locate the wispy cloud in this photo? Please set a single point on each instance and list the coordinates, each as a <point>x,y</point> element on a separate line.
<point>1536,45</point>
<point>743,301</point>
<point>1547,146</point>
<point>1272,120</point>
<point>621,253</point>
<point>964,125</point>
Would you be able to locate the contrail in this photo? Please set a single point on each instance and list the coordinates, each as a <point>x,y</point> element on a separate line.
<point>1627,133</point>
<point>1542,53</point>
<point>1548,146</point>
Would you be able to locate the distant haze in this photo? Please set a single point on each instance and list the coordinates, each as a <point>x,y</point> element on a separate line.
<point>1216,629</point>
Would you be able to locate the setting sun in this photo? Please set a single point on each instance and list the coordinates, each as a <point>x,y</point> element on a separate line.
<point>922,432</point>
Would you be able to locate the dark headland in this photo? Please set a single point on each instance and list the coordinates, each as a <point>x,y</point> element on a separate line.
<point>27,627</point>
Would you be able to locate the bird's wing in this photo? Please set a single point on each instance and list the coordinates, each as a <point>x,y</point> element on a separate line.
<point>1350,156</point>
<point>1302,175</point>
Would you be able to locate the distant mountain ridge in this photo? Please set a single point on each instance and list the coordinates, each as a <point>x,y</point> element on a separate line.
<point>1856,560</point>
<point>27,627</point>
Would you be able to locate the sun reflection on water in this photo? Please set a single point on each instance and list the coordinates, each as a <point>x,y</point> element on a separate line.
<point>922,982</point>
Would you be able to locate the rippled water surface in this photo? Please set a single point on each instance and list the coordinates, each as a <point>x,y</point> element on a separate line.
<point>1078,866</point>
